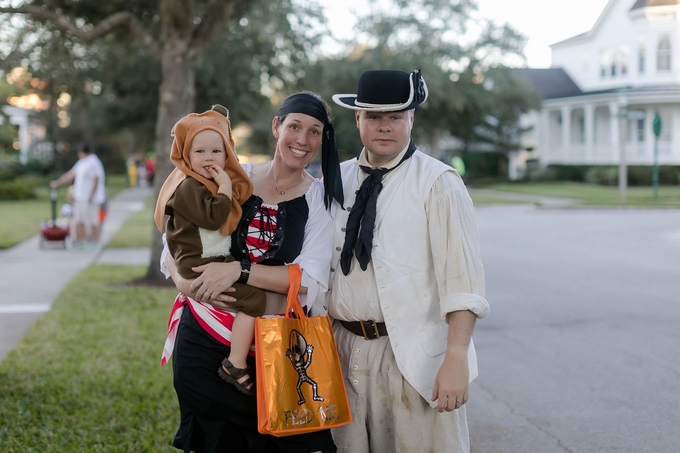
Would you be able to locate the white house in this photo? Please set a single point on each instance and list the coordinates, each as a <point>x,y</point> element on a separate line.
<point>605,87</point>
<point>32,134</point>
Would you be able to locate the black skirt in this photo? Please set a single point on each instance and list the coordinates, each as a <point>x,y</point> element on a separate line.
<point>215,416</point>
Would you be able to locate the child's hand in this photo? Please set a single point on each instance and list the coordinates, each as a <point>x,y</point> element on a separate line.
<point>220,176</point>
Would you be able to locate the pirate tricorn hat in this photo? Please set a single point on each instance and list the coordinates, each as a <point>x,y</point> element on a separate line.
<point>386,90</point>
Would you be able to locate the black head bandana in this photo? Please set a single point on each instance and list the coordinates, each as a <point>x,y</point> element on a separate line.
<point>359,230</point>
<point>330,163</point>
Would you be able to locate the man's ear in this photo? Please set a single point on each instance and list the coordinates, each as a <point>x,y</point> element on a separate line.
<point>357,116</point>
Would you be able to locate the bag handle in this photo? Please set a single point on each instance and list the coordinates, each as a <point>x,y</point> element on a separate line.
<point>293,299</point>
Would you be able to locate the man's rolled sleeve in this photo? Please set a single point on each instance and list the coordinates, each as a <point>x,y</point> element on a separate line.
<point>454,240</point>
<point>464,301</point>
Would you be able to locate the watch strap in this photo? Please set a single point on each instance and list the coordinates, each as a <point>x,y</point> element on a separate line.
<point>245,271</point>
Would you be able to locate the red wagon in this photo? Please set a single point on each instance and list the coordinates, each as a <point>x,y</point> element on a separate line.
<point>51,232</point>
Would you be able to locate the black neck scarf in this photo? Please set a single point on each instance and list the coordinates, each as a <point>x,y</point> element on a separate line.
<point>359,230</point>
<point>307,104</point>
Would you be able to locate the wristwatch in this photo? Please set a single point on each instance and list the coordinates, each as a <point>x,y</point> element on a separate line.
<point>245,271</point>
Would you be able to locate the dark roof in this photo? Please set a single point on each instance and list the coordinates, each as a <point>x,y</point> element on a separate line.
<point>551,83</point>
<point>645,3</point>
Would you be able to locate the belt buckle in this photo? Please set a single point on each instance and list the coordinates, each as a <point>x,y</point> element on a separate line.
<point>375,330</point>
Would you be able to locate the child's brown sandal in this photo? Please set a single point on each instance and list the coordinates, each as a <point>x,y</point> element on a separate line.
<point>233,374</point>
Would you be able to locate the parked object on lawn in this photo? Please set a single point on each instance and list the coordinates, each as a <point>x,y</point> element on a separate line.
<point>55,231</point>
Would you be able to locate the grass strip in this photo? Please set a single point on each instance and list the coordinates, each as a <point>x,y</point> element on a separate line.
<point>595,195</point>
<point>86,377</point>
<point>136,232</point>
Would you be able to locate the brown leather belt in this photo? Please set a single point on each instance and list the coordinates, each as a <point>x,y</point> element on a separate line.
<point>370,330</point>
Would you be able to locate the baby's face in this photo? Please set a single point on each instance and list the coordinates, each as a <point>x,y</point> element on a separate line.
<point>207,150</point>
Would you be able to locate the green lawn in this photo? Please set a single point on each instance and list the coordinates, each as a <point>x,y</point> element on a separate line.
<point>486,199</point>
<point>594,195</point>
<point>86,377</point>
<point>21,218</point>
<point>136,232</point>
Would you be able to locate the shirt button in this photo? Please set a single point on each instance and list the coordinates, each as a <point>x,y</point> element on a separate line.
<point>355,367</point>
<point>343,229</point>
<point>332,270</point>
<point>337,248</point>
<point>349,209</point>
<point>355,382</point>
<point>356,351</point>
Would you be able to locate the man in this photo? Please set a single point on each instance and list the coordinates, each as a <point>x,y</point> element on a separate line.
<point>407,282</point>
<point>88,195</point>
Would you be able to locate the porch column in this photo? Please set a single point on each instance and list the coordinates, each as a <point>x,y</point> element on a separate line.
<point>589,121</point>
<point>566,133</point>
<point>544,150</point>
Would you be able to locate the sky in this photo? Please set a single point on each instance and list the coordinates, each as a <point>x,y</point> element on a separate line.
<point>544,22</point>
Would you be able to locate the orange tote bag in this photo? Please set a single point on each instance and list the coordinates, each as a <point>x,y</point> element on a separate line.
<point>300,387</point>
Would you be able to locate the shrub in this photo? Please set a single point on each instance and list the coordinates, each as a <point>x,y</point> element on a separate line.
<point>642,175</point>
<point>19,189</point>
<point>602,175</point>
<point>541,174</point>
<point>569,172</point>
<point>483,165</point>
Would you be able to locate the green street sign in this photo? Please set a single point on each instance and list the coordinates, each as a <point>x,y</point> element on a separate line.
<point>657,125</point>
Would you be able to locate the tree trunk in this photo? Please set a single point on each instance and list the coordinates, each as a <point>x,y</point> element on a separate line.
<point>177,97</point>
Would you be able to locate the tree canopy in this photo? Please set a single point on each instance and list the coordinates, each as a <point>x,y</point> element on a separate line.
<point>131,69</point>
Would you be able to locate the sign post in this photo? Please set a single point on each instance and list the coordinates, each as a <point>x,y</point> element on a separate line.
<point>655,168</point>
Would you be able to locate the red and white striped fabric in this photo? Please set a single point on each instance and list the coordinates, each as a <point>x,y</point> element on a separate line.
<point>261,231</point>
<point>215,321</point>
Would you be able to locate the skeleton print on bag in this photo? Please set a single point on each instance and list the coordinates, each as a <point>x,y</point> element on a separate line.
<point>300,355</point>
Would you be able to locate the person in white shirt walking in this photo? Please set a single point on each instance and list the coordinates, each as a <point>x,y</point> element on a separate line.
<point>89,194</point>
<point>407,282</point>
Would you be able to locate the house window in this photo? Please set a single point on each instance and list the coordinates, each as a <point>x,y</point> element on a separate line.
<point>613,66</point>
<point>623,56</point>
<point>640,130</point>
<point>641,58</point>
<point>663,54</point>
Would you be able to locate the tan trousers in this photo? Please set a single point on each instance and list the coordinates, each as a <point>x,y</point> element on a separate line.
<point>389,416</point>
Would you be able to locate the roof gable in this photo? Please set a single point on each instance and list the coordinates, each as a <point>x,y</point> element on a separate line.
<point>550,83</point>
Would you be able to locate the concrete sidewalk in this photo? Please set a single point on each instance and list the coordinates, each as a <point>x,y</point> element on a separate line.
<point>31,278</point>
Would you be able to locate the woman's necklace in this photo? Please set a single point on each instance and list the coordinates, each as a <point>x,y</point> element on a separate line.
<point>283,191</point>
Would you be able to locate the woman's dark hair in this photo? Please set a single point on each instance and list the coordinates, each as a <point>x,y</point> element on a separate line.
<point>281,118</point>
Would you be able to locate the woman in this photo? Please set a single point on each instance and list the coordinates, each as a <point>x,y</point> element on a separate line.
<point>286,220</point>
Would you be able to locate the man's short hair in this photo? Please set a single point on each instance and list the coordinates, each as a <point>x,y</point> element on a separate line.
<point>84,147</point>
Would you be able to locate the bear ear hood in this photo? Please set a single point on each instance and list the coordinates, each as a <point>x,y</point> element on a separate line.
<point>183,132</point>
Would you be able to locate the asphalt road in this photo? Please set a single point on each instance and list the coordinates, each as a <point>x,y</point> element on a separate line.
<point>581,351</point>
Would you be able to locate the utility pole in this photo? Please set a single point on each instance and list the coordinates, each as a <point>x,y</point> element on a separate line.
<point>622,100</point>
<point>655,168</point>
